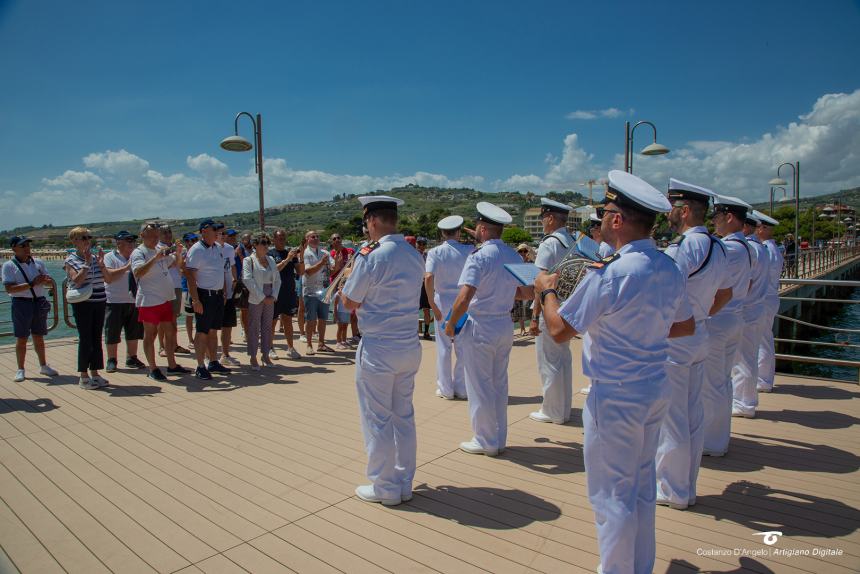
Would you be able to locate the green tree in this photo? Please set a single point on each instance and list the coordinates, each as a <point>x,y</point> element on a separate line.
<point>514,235</point>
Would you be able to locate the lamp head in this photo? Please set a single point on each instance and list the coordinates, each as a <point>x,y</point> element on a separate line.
<point>777,181</point>
<point>236,143</point>
<point>654,149</point>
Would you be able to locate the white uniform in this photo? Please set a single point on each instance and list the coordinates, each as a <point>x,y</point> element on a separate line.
<point>605,250</point>
<point>766,361</point>
<point>386,280</point>
<point>554,359</point>
<point>724,330</point>
<point>701,258</point>
<point>629,394</point>
<point>486,339</point>
<point>745,370</point>
<point>445,262</point>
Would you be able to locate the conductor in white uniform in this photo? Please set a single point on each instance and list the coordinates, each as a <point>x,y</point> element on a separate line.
<point>384,287</point>
<point>554,359</point>
<point>487,291</point>
<point>629,394</point>
<point>442,270</point>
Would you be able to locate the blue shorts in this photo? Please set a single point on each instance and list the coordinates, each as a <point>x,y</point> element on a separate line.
<point>343,317</point>
<point>30,316</point>
<point>315,309</point>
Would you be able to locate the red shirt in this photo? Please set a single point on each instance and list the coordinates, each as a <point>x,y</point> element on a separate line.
<point>346,252</point>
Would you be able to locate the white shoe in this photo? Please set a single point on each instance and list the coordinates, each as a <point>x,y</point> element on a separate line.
<point>763,389</point>
<point>48,371</point>
<point>542,418</point>
<point>692,502</point>
<point>99,380</point>
<point>303,339</point>
<point>87,384</point>
<point>443,396</point>
<point>740,413</point>
<point>713,453</point>
<point>367,494</point>
<point>670,504</point>
<point>405,494</point>
<point>585,390</point>
<point>274,356</point>
<point>342,347</point>
<point>293,354</point>
<point>229,360</point>
<point>474,447</point>
<point>19,376</point>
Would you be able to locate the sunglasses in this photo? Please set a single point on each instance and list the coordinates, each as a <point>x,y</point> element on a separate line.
<point>523,251</point>
<point>313,236</point>
<point>263,243</point>
<point>85,237</point>
<point>601,211</point>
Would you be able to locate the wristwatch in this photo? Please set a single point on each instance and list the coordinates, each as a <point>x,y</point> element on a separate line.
<point>546,292</point>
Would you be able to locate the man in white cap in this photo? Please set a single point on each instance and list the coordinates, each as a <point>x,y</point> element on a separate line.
<point>725,325</point>
<point>766,361</point>
<point>629,394</point>
<point>745,369</point>
<point>554,360</point>
<point>487,291</point>
<point>383,287</point>
<point>442,270</point>
<point>701,259</point>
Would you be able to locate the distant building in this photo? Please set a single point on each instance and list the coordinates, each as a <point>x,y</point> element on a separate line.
<point>531,222</point>
<point>579,216</point>
<point>837,211</point>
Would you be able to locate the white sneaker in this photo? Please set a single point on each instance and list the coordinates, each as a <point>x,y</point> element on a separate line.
<point>229,360</point>
<point>740,413</point>
<point>293,354</point>
<point>442,395</point>
<point>342,347</point>
<point>303,339</point>
<point>48,371</point>
<point>542,418</point>
<point>763,389</point>
<point>473,447</point>
<point>19,375</point>
<point>87,384</point>
<point>585,390</point>
<point>713,453</point>
<point>367,494</point>
<point>99,381</point>
<point>670,504</point>
<point>274,356</point>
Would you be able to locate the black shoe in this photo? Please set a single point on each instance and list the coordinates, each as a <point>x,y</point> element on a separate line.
<point>216,367</point>
<point>133,363</point>
<point>427,337</point>
<point>203,374</point>
<point>157,375</point>
<point>111,366</point>
<point>178,370</point>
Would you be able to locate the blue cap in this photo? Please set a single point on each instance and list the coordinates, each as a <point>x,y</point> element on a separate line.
<point>231,232</point>
<point>19,240</point>
<point>123,235</point>
<point>210,223</point>
<point>190,236</point>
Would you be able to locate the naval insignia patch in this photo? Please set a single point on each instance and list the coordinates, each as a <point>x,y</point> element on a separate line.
<point>368,248</point>
<point>604,262</point>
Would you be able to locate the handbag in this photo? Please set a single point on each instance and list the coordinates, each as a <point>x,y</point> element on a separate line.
<point>75,294</point>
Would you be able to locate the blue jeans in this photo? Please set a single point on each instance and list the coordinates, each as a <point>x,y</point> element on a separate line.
<point>315,309</point>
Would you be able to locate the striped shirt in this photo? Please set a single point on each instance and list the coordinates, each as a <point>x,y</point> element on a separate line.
<point>93,277</point>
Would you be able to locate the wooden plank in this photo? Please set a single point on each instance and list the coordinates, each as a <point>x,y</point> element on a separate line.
<point>20,549</point>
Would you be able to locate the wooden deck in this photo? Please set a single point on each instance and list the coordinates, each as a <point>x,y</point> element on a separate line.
<point>256,473</point>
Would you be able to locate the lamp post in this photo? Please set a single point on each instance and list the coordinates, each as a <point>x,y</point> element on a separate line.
<point>795,168</point>
<point>238,143</point>
<point>650,149</point>
<point>772,189</point>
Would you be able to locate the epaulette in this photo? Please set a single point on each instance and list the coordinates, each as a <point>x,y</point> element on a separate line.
<point>367,249</point>
<point>475,250</point>
<point>678,240</point>
<point>604,262</point>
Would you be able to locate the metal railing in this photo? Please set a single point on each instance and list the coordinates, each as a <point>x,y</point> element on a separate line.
<point>814,262</point>
<point>51,295</point>
<point>842,335</point>
<point>66,313</point>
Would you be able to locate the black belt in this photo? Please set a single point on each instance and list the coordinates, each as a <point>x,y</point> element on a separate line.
<point>210,291</point>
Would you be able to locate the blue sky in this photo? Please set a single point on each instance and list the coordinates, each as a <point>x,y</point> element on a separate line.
<point>357,95</point>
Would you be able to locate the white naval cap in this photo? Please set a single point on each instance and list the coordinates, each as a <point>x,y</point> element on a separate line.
<point>627,190</point>
<point>376,202</point>
<point>450,223</point>
<point>550,205</point>
<point>594,219</point>
<point>764,219</point>
<point>682,190</point>
<point>734,204</point>
<point>492,213</point>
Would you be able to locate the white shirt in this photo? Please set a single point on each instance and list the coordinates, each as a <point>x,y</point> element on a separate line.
<point>387,282</point>
<point>155,287</point>
<point>626,308</point>
<point>495,286</point>
<point>553,248</point>
<point>255,276</point>
<point>774,271</point>
<point>605,250</point>
<point>740,261</point>
<point>445,262</point>
<point>760,280</point>
<point>208,261</point>
<point>174,271</point>
<point>117,292</point>
<point>313,284</point>
<point>33,268</point>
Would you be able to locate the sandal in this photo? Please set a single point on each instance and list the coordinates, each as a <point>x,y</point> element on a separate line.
<point>310,351</point>
<point>325,349</point>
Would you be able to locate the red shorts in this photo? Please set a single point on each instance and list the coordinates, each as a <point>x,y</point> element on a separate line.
<point>156,314</point>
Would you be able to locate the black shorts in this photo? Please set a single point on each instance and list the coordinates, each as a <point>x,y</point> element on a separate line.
<point>287,303</point>
<point>30,316</point>
<point>229,319</point>
<point>425,303</point>
<point>119,318</point>
<point>213,311</point>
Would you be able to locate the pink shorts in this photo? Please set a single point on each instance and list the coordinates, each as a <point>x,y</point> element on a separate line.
<point>156,314</point>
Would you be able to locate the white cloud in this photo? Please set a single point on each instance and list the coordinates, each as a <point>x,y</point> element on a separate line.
<point>117,162</point>
<point>207,166</point>
<point>75,179</point>
<point>574,167</point>
<point>598,114</point>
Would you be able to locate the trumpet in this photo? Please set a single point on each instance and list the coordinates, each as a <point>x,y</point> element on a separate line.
<point>338,280</point>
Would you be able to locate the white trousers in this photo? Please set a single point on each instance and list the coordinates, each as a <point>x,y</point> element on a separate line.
<point>555,365</point>
<point>766,360</point>
<point>486,347</point>
<point>450,371</point>
<point>745,369</point>
<point>679,452</point>
<point>724,330</point>
<point>385,379</point>
<point>622,426</point>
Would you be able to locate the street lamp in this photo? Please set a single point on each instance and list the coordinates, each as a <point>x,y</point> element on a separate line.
<point>784,194</point>
<point>795,168</point>
<point>238,143</point>
<point>650,149</point>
